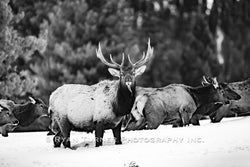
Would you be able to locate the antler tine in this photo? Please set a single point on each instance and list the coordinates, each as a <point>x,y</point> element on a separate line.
<point>145,57</point>
<point>129,59</point>
<point>123,58</point>
<point>134,64</point>
<point>215,79</point>
<point>110,56</point>
<point>101,57</point>
<point>205,79</point>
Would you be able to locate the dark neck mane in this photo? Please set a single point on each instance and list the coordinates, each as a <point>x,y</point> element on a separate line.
<point>124,100</point>
<point>23,112</point>
<point>202,94</point>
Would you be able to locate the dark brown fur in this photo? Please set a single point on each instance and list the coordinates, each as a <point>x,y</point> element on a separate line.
<point>7,121</point>
<point>32,116</point>
<point>235,108</point>
<point>160,106</point>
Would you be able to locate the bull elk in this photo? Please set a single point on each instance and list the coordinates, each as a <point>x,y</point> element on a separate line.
<point>241,107</point>
<point>97,107</point>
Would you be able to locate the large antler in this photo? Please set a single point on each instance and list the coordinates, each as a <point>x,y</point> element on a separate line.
<point>144,59</point>
<point>209,80</point>
<point>205,81</point>
<point>113,64</point>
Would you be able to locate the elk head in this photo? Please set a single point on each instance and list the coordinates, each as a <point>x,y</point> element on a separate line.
<point>6,116</point>
<point>127,73</point>
<point>223,92</point>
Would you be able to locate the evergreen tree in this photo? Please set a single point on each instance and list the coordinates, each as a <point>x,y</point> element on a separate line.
<point>75,29</point>
<point>16,80</point>
<point>182,32</point>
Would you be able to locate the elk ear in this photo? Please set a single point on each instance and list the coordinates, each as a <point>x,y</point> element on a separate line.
<point>140,70</point>
<point>114,72</point>
<point>2,108</point>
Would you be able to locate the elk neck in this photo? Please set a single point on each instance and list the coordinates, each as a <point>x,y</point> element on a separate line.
<point>124,99</point>
<point>202,94</point>
<point>22,111</point>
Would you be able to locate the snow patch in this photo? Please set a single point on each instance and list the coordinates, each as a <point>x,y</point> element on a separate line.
<point>221,144</point>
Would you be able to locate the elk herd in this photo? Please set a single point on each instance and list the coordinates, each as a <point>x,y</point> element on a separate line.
<point>121,105</point>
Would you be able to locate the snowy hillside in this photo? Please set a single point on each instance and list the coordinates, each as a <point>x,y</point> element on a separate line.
<point>223,144</point>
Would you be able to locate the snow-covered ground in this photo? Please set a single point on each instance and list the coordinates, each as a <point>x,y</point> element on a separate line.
<point>223,144</point>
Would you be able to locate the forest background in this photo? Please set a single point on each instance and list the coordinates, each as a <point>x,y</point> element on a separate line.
<point>47,43</point>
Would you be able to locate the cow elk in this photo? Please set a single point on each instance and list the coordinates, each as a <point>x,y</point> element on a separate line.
<point>8,122</point>
<point>175,104</point>
<point>32,115</point>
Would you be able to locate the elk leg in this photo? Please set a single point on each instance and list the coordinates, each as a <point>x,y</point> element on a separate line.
<point>57,139</point>
<point>7,128</point>
<point>65,129</point>
<point>152,124</point>
<point>177,123</point>
<point>153,118</point>
<point>66,142</point>
<point>215,118</point>
<point>195,119</point>
<point>4,132</point>
<point>99,131</point>
<point>55,128</point>
<point>215,115</point>
<point>117,133</point>
<point>184,115</point>
<point>66,135</point>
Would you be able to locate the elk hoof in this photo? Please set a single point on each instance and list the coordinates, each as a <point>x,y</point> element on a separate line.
<point>98,144</point>
<point>66,143</point>
<point>118,142</point>
<point>5,135</point>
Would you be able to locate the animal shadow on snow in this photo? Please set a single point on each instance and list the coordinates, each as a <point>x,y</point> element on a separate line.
<point>91,144</point>
<point>82,145</point>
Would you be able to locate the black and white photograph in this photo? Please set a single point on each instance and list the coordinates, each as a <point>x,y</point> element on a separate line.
<point>124,83</point>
